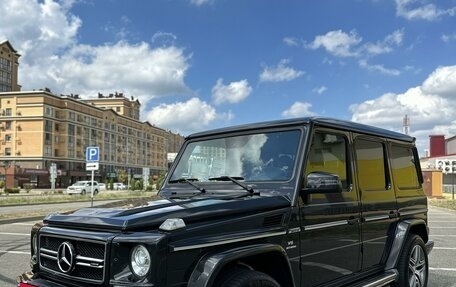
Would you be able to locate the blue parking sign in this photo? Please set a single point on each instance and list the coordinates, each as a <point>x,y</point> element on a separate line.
<point>92,153</point>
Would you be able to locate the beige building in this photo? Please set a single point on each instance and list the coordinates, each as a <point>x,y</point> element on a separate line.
<point>38,128</point>
<point>8,68</point>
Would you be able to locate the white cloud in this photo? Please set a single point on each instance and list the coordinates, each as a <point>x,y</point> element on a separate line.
<point>164,38</point>
<point>200,2</point>
<point>298,109</point>
<point>53,58</point>
<point>378,68</point>
<point>320,90</point>
<point>184,117</point>
<point>50,30</point>
<point>411,10</point>
<point>387,45</point>
<point>233,93</point>
<point>442,82</point>
<point>337,43</point>
<point>290,41</point>
<point>280,73</point>
<point>431,107</point>
<point>449,37</point>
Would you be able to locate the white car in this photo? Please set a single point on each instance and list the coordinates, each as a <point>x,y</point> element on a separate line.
<point>119,186</point>
<point>83,187</point>
<point>101,186</point>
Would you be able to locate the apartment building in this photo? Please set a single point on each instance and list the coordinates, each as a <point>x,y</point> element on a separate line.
<point>9,63</point>
<point>38,128</point>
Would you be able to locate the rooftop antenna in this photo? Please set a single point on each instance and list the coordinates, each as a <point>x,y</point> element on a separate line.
<point>406,125</point>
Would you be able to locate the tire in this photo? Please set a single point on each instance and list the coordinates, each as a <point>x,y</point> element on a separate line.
<point>247,278</point>
<point>413,265</point>
<point>83,192</point>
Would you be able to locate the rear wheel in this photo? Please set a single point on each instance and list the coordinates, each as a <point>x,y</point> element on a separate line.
<point>83,192</point>
<point>247,278</point>
<point>413,266</point>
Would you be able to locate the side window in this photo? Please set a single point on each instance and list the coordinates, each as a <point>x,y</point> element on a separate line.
<point>328,154</point>
<point>370,163</point>
<point>404,169</point>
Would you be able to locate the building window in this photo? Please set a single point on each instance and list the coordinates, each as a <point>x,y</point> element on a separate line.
<point>8,151</point>
<point>8,125</point>
<point>8,112</point>
<point>7,137</point>
<point>118,109</point>
<point>47,139</point>
<point>48,111</point>
<point>48,126</point>
<point>47,151</point>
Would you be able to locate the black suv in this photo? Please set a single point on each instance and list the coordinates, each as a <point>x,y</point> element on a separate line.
<point>301,202</point>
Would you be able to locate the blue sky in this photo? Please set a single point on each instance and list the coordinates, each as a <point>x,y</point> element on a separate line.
<point>202,64</point>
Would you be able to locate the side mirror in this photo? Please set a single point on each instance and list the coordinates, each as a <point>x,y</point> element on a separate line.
<point>322,182</point>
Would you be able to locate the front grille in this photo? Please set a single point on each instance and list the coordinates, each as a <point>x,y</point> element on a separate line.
<point>88,262</point>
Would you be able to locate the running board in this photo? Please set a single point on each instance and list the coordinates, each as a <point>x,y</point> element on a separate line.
<point>378,281</point>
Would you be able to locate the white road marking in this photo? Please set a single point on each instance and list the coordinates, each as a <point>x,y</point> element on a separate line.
<point>15,252</point>
<point>18,234</point>
<point>442,269</point>
<point>29,223</point>
<point>444,248</point>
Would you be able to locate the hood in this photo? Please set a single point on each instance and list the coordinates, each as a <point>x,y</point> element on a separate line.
<point>151,213</point>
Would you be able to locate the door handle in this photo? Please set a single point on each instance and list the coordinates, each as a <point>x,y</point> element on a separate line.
<point>352,220</point>
<point>393,214</point>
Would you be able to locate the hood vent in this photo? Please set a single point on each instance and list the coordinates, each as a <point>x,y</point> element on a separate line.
<point>274,220</point>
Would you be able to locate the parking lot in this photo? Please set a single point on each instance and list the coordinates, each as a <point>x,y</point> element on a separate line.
<point>15,250</point>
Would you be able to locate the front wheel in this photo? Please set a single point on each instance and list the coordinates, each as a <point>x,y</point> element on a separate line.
<point>413,266</point>
<point>247,278</point>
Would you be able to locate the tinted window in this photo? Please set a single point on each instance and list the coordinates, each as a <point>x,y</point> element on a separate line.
<point>371,165</point>
<point>328,154</point>
<point>404,170</point>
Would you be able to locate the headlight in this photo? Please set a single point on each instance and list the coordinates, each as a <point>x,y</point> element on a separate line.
<point>140,261</point>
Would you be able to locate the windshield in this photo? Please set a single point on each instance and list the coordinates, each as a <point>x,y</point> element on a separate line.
<point>80,183</point>
<point>256,157</point>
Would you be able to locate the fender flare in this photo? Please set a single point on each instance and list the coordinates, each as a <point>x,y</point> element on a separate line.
<point>400,236</point>
<point>210,265</point>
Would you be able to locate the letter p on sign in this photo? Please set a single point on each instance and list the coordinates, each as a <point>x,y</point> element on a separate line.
<point>93,153</point>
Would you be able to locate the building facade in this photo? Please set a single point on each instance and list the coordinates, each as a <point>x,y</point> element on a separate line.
<point>9,63</point>
<point>38,128</point>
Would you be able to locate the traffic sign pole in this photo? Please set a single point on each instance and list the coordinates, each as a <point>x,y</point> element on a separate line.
<point>92,189</point>
<point>92,158</point>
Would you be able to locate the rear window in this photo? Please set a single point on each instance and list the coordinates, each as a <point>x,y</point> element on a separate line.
<point>404,169</point>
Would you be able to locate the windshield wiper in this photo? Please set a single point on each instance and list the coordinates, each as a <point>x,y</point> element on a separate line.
<point>234,179</point>
<point>189,181</point>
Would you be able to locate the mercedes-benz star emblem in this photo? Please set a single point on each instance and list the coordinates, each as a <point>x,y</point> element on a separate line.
<point>65,257</point>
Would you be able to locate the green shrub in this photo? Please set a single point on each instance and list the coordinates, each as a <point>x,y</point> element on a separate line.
<point>2,183</point>
<point>149,188</point>
<point>139,185</point>
<point>111,184</point>
<point>13,190</point>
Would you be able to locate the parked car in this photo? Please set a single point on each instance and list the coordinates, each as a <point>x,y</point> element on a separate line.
<point>83,187</point>
<point>300,202</point>
<point>119,186</point>
<point>101,186</point>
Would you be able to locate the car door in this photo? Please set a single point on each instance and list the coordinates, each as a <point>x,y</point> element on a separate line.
<point>378,200</point>
<point>330,220</point>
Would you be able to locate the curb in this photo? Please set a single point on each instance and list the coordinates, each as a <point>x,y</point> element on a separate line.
<point>21,219</point>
